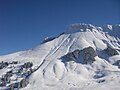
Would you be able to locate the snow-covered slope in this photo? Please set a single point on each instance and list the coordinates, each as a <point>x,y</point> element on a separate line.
<point>84,57</point>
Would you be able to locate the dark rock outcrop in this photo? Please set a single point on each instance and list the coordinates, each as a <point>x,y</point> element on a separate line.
<point>99,74</point>
<point>9,73</point>
<point>22,71</point>
<point>27,74</point>
<point>24,83</point>
<point>5,79</point>
<point>14,62</point>
<point>28,65</point>
<point>3,64</point>
<point>3,82</point>
<point>72,56</point>
<point>111,51</point>
<point>117,63</point>
<point>101,81</point>
<point>14,85</point>
<point>88,55</point>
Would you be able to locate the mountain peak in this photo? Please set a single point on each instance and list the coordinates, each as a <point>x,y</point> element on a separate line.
<point>79,27</point>
<point>85,56</point>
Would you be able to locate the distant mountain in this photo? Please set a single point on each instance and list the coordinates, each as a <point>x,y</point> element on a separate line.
<point>84,57</point>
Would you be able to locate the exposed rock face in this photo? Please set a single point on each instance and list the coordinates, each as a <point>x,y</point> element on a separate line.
<point>111,51</point>
<point>2,82</point>
<point>14,85</point>
<point>21,71</point>
<point>24,83</point>
<point>99,74</point>
<point>15,62</point>
<point>3,64</point>
<point>5,79</point>
<point>28,65</point>
<point>88,55</point>
<point>73,55</point>
<point>10,73</point>
<point>117,63</point>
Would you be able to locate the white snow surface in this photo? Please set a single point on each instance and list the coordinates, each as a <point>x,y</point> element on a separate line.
<point>54,74</point>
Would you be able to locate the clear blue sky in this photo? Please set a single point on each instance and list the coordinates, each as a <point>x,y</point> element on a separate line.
<point>25,23</point>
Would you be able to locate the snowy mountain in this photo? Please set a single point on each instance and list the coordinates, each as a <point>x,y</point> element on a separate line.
<point>84,57</point>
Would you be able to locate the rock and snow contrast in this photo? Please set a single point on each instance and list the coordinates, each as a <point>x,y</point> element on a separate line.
<point>84,57</point>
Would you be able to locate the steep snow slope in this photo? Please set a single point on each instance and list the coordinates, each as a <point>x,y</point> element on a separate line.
<point>53,72</point>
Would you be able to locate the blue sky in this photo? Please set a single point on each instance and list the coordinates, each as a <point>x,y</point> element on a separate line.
<point>25,23</point>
